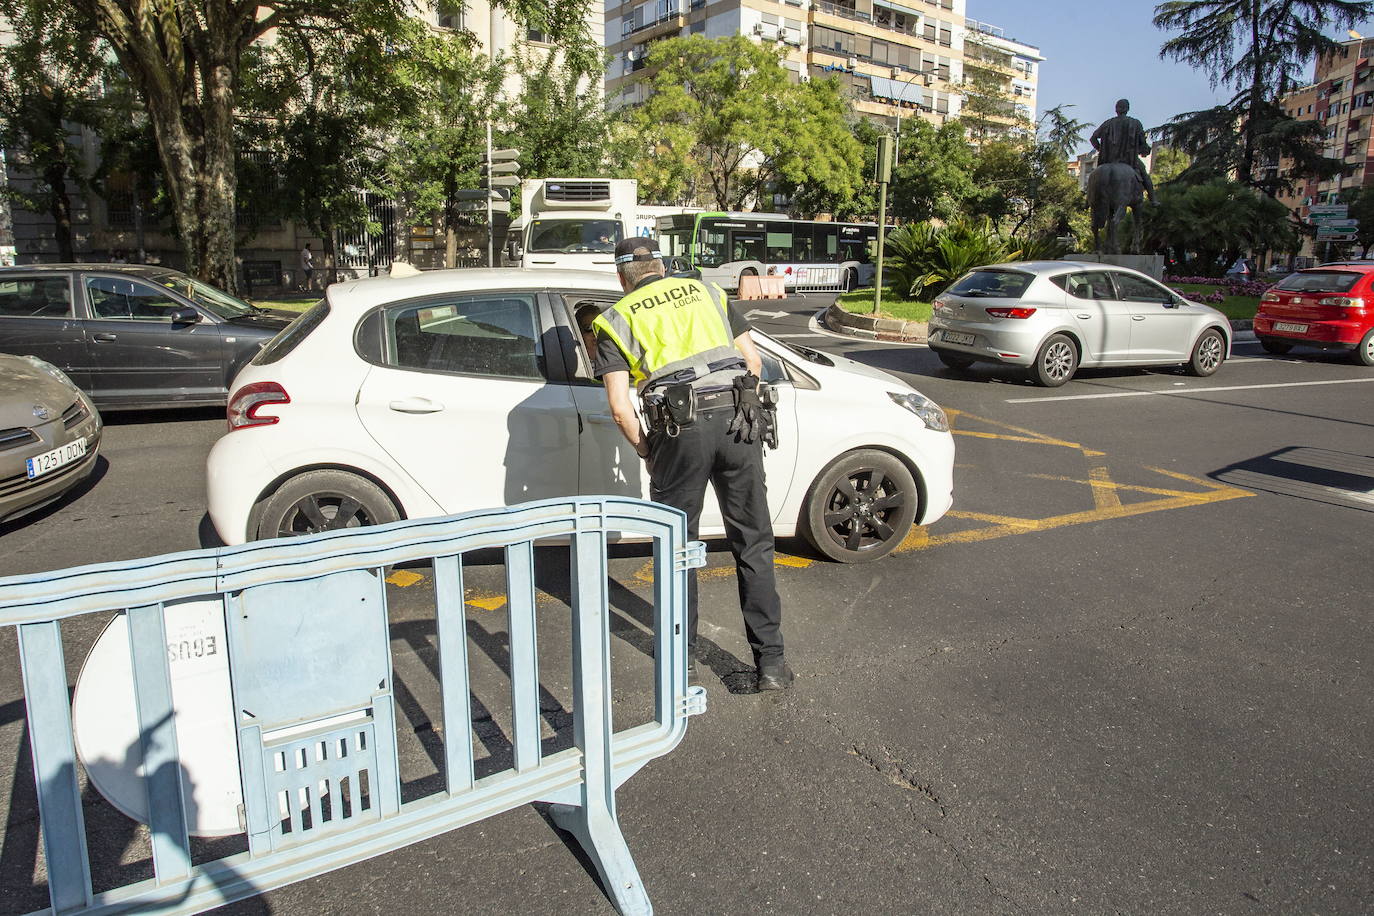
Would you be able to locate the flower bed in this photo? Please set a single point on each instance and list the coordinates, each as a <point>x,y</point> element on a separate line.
<point>1232,286</point>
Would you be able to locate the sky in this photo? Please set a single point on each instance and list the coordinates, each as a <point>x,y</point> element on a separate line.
<point>1098,51</point>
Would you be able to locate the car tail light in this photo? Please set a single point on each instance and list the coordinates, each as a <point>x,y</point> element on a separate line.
<point>1345,302</point>
<point>248,400</point>
<point>1271,296</point>
<point>1005,312</point>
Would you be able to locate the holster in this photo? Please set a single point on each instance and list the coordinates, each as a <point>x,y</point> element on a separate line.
<point>669,408</point>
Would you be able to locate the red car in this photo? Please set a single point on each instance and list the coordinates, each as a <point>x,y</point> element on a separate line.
<point>1331,307</point>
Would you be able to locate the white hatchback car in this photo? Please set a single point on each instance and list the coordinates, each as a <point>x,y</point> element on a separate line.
<point>452,391</point>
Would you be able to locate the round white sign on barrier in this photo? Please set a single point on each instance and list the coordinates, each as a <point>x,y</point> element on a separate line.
<point>105,720</point>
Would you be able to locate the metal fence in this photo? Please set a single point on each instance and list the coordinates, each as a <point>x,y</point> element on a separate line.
<point>313,706</point>
<point>820,280</point>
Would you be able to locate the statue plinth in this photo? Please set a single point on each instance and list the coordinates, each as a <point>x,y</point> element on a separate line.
<point>1152,265</point>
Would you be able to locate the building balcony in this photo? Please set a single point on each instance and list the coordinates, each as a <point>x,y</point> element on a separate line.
<point>666,24</point>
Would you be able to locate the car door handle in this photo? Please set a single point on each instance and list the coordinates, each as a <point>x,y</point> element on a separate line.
<point>105,336</point>
<point>416,405</point>
<point>604,419</point>
<point>1083,316</point>
<point>1137,317</point>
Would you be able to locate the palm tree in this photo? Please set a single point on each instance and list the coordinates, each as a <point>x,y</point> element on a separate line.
<point>1256,47</point>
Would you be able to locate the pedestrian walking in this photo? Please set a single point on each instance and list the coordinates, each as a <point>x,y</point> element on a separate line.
<point>696,371</point>
<point>307,267</point>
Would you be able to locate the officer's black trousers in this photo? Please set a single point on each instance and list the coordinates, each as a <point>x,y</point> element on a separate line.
<point>679,468</point>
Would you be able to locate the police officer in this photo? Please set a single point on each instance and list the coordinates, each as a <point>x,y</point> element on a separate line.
<point>696,372</point>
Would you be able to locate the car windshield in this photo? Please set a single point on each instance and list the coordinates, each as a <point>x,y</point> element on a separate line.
<point>999,284</point>
<point>207,297</point>
<point>560,236</point>
<point>1320,281</point>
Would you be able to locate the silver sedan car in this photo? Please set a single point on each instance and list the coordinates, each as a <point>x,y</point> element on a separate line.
<point>1054,316</point>
<point>49,435</point>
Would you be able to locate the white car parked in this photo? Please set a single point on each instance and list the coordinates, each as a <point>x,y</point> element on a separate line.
<point>459,390</point>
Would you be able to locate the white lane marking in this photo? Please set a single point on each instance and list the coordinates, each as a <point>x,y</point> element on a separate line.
<point>762,314</point>
<point>1187,391</point>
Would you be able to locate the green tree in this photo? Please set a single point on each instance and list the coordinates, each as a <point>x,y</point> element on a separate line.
<point>435,147</point>
<point>1257,48</point>
<point>186,59</point>
<point>1361,204</point>
<point>809,198</point>
<point>52,84</point>
<point>934,174</point>
<point>725,123</point>
<point>1212,223</point>
<point>558,122</point>
<point>1167,164</point>
<point>1060,132</point>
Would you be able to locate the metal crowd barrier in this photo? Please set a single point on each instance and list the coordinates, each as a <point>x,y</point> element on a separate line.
<point>819,280</point>
<point>313,705</point>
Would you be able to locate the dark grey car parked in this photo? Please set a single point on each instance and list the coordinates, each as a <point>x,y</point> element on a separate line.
<point>132,335</point>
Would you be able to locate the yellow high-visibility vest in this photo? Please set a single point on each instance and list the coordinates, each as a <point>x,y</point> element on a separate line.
<point>671,325</point>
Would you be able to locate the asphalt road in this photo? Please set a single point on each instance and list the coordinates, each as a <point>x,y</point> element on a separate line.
<point>1127,673</point>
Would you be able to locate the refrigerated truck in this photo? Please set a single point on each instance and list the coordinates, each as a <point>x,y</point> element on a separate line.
<point>576,222</point>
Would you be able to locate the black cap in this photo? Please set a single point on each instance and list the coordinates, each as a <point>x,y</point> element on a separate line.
<point>635,249</point>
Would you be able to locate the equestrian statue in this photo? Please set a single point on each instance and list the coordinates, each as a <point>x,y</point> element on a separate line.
<point>1120,181</point>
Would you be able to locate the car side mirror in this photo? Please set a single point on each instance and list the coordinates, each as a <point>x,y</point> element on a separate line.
<point>677,265</point>
<point>185,315</point>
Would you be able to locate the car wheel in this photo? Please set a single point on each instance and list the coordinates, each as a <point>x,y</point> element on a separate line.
<point>860,507</point>
<point>1056,362</point>
<point>1364,353</point>
<point>1208,353</point>
<point>1275,346</point>
<point>954,360</point>
<point>324,500</point>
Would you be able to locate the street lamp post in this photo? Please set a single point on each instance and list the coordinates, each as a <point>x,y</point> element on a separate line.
<point>928,79</point>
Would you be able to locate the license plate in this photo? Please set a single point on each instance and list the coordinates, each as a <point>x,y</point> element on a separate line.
<point>1290,326</point>
<point>963,340</point>
<point>51,461</point>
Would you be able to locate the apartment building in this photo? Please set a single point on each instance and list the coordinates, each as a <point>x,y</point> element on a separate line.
<point>898,59</point>
<point>1341,97</point>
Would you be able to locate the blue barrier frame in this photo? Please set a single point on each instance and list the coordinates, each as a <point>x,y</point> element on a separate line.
<point>578,782</point>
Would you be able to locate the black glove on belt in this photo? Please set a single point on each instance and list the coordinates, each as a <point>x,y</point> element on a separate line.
<point>753,420</point>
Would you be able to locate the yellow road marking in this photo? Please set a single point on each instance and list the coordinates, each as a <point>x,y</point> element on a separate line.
<point>404,578</point>
<point>1010,521</point>
<point>1105,494</point>
<point>488,602</point>
<point>786,559</point>
<point>1023,435</point>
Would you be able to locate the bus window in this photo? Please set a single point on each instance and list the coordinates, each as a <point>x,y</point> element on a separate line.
<point>780,246</point>
<point>713,249</point>
<point>746,246</point>
<point>801,245</point>
<point>827,239</point>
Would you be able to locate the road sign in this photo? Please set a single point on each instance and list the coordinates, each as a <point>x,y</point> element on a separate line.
<point>480,206</point>
<point>1321,212</point>
<point>1335,236</point>
<point>505,168</point>
<point>1338,224</point>
<point>501,181</point>
<point>471,194</point>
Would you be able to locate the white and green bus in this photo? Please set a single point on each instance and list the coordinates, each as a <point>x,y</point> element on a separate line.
<point>807,254</point>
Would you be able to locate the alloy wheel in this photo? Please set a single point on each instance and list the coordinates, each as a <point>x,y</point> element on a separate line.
<point>861,507</point>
